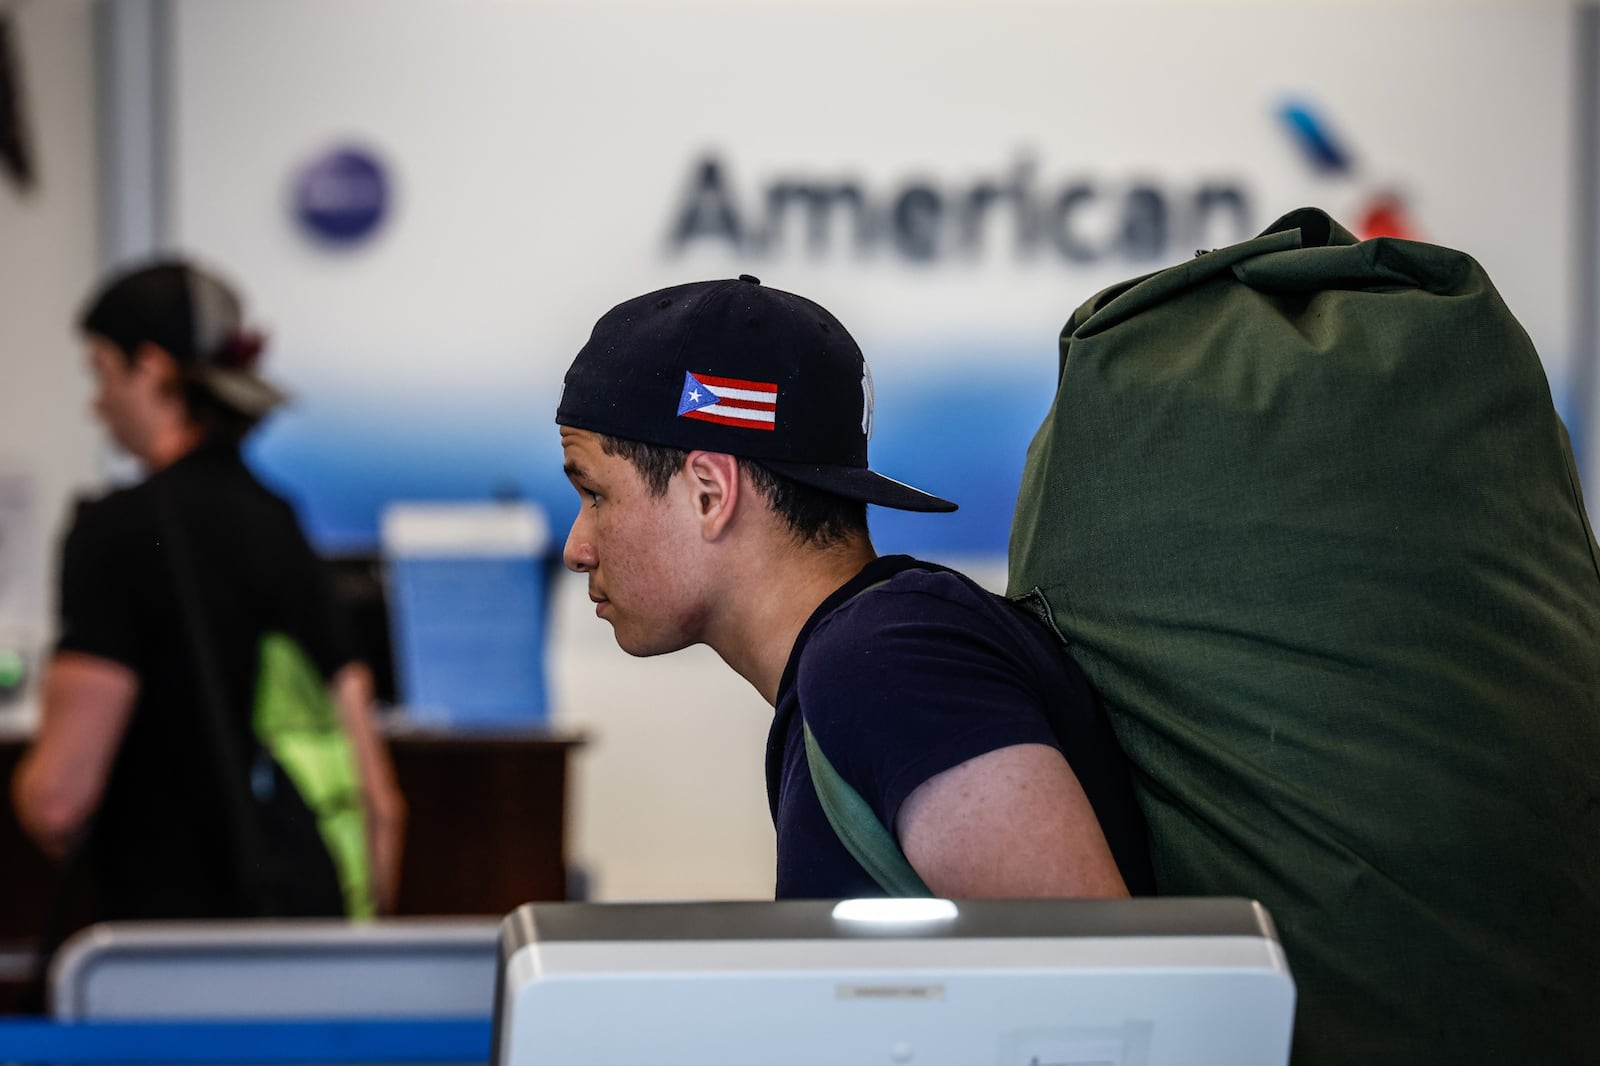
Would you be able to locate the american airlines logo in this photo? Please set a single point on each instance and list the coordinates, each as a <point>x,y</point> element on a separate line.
<point>1015,210</point>
<point>1381,211</point>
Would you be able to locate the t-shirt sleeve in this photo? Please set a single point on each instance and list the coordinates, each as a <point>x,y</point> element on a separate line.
<point>96,601</point>
<point>900,686</point>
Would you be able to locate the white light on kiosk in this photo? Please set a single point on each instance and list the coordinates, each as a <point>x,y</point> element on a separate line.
<point>894,910</point>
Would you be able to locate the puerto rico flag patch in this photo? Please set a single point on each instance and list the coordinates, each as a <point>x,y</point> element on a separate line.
<point>729,401</point>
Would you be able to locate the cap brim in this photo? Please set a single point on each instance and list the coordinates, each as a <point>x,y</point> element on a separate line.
<point>855,483</point>
<point>242,390</point>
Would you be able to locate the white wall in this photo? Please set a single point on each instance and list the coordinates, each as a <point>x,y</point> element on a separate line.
<point>669,800</point>
<point>47,262</point>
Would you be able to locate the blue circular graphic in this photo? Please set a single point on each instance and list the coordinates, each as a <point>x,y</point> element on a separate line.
<point>343,196</point>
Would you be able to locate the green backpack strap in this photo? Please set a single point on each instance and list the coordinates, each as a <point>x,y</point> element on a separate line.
<point>858,829</point>
<point>295,719</point>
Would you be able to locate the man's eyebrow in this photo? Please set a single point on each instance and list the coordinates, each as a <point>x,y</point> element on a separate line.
<point>573,471</point>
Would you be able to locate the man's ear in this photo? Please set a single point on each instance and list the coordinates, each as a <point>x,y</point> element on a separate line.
<point>713,478</point>
<point>154,361</point>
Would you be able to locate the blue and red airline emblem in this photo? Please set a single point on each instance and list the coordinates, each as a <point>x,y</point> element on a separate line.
<point>1384,212</point>
<point>729,401</point>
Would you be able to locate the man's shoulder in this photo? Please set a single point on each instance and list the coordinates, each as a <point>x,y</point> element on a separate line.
<point>920,592</point>
<point>921,670</point>
<point>215,490</point>
<point>916,614</point>
<point>113,516</point>
<point>939,583</point>
<point>927,624</point>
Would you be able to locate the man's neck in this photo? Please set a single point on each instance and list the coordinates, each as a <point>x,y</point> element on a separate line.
<point>169,444</point>
<point>784,590</point>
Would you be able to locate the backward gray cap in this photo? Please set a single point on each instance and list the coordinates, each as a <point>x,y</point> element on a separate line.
<point>197,319</point>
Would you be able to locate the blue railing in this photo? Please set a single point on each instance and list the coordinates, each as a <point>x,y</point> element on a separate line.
<point>426,1040</point>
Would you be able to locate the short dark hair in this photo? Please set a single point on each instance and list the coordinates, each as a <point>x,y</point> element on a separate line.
<point>217,421</point>
<point>812,515</point>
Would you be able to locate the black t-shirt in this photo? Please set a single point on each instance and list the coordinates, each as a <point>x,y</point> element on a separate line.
<point>161,836</point>
<point>917,674</point>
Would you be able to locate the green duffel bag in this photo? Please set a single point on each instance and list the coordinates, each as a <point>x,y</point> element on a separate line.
<point>1305,513</point>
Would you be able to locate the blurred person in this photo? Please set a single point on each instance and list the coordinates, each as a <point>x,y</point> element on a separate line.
<point>716,434</point>
<point>167,590</point>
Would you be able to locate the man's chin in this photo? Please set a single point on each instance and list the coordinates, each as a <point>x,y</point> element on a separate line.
<point>642,647</point>
<point>644,652</point>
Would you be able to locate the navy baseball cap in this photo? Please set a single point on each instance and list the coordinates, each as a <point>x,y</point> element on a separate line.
<point>736,367</point>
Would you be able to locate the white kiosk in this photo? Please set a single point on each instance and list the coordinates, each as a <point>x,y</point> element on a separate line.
<point>1151,982</point>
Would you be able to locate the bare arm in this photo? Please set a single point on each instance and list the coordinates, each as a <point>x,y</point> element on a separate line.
<point>386,807</point>
<point>88,702</point>
<point>1010,823</point>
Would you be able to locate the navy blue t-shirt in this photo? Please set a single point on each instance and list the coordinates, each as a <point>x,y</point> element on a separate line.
<point>913,677</point>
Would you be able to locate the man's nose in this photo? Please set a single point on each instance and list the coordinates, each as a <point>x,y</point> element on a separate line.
<point>579,552</point>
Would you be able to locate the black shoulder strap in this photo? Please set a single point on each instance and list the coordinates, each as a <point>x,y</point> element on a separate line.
<point>246,844</point>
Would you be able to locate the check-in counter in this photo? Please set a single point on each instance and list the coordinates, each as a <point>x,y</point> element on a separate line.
<point>487,832</point>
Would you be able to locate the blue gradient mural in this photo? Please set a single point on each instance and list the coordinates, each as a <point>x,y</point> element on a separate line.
<point>960,430</point>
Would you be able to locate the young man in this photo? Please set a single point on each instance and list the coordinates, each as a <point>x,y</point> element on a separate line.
<point>128,737</point>
<point>717,435</point>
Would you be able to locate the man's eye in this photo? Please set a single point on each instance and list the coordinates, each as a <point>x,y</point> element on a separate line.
<point>594,497</point>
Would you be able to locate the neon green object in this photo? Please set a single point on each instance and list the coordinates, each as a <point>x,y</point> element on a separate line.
<point>13,668</point>
<point>296,720</point>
